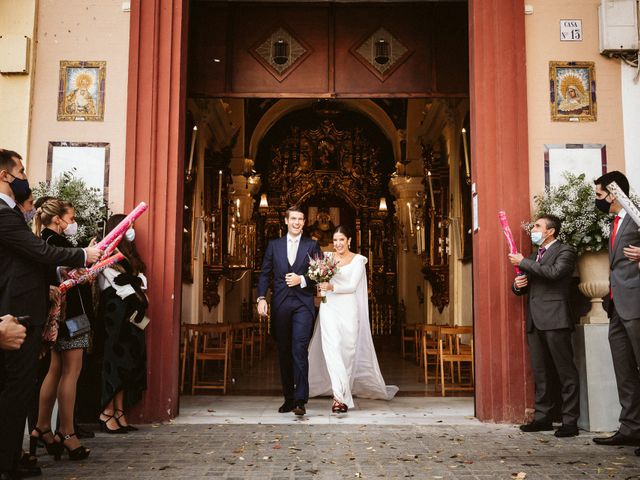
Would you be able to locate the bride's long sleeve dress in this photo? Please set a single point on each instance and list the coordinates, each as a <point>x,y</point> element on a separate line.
<point>342,358</point>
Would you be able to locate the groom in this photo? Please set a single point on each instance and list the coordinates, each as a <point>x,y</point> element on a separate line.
<point>292,307</point>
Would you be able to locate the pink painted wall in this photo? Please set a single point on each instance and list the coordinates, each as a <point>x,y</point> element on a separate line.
<point>86,31</point>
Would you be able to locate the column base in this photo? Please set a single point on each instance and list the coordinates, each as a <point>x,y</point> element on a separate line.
<point>599,403</point>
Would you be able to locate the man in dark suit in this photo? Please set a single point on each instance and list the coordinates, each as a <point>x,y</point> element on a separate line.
<point>23,292</point>
<point>546,279</point>
<point>624,309</point>
<point>292,307</point>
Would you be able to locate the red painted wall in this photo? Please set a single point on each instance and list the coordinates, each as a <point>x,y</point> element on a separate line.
<point>501,173</point>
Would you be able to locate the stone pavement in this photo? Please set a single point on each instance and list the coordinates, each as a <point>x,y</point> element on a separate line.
<point>303,450</point>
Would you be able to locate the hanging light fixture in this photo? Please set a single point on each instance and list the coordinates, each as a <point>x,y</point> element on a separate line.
<point>383,204</point>
<point>264,203</point>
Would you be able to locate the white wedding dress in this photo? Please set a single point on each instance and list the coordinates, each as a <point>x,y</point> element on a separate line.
<point>342,358</point>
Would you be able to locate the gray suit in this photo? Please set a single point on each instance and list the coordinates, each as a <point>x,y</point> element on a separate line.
<point>549,329</point>
<point>624,329</point>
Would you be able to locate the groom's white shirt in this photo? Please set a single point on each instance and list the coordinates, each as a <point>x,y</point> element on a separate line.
<point>292,252</point>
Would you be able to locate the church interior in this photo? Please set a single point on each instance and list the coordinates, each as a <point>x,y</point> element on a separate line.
<point>395,168</point>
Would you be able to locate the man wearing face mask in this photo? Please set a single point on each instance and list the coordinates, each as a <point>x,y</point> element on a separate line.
<point>23,292</point>
<point>624,310</point>
<point>546,279</point>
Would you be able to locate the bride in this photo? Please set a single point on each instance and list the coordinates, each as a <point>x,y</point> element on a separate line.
<point>342,358</point>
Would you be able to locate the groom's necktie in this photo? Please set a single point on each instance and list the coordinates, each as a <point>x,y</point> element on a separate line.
<point>541,251</point>
<point>292,250</point>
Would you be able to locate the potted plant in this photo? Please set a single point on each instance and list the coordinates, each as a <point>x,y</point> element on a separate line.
<point>91,209</point>
<point>585,228</point>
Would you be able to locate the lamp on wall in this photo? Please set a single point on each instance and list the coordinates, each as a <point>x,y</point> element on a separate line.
<point>382,51</point>
<point>383,204</point>
<point>280,52</point>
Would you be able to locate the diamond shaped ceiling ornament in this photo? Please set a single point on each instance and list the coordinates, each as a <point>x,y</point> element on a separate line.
<point>381,52</point>
<point>280,53</point>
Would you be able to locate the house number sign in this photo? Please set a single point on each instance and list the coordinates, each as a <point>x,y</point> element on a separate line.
<point>570,30</point>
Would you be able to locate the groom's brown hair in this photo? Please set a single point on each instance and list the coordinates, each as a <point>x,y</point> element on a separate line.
<point>293,208</point>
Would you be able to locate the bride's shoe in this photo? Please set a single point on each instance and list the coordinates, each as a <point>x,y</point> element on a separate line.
<point>338,407</point>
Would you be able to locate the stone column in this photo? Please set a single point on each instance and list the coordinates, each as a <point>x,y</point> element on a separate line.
<point>409,263</point>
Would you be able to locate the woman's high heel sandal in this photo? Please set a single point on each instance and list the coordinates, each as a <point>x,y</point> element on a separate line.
<point>105,428</point>
<point>54,448</point>
<point>338,407</point>
<point>78,453</point>
<point>117,415</point>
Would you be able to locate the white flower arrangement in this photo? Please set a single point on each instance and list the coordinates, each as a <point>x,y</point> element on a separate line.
<point>583,226</point>
<point>88,202</point>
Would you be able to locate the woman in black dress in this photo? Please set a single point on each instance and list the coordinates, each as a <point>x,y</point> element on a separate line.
<point>121,317</point>
<point>54,221</point>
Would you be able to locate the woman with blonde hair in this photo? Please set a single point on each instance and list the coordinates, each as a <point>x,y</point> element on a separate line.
<point>54,222</point>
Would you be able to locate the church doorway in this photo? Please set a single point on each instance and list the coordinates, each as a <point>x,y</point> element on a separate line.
<point>172,61</point>
<point>344,162</point>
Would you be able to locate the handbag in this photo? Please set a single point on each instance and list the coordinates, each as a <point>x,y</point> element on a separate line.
<point>80,324</point>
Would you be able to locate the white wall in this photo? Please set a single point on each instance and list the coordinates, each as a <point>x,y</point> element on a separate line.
<point>631,124</point>
<point>17,18</point>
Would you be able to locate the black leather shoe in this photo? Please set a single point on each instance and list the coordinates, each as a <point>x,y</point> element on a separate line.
<point>299,409</point>
<point>28,471</point>
<point>287,406</point>
<point>617,439</point>
<point>12,475</point>
<point>536,426</point>
<point>567,431</point>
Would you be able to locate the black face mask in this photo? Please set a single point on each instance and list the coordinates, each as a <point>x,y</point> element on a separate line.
<point>603,205</point>
<point>20,187</point>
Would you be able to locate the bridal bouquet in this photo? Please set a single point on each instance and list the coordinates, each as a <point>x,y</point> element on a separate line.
<point>322,269</point>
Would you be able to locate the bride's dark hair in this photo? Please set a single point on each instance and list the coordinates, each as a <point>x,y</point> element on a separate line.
<point>343,229</point>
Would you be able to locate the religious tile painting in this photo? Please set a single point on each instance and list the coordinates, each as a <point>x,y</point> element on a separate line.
<point>81,90</point>
<point>572,88</point>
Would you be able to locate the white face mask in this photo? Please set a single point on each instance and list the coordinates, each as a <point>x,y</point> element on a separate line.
<point>71,230</point>
<point>537,238</point>
<point>130,235</point>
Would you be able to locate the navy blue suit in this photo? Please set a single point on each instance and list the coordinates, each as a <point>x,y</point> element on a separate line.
<point>292,313</point>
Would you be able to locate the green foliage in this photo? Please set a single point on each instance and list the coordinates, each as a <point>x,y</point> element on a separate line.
<point>583,225</point>
<point>91,209</point>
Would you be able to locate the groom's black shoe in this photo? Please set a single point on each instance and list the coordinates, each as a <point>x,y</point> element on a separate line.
<point>299,409</point>
<point>287,406</point>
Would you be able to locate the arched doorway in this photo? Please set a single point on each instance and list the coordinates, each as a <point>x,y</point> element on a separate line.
<point>155,141</point>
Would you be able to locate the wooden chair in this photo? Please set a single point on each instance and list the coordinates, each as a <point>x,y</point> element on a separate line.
<point>211,342</point>
<point>242,339</point>
<point>185,341</point>
<point>429,335</point>
<point>408,334</point>
<point>452,350</point>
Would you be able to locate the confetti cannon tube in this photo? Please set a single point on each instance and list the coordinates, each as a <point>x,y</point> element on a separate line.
<point>122,227</point>
<point>625,201</point>
<point>91,274</point>
<point>504,223</point>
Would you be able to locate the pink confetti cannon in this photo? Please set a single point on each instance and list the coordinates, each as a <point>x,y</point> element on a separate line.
<point>91,274</point>
<point>504,223</point>
<point>121,228</point>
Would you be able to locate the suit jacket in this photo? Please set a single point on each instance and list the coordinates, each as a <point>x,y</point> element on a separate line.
<point>625,275</point>
<point>24,289</point>
<point>549,281</point>
<point>276,263</point>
